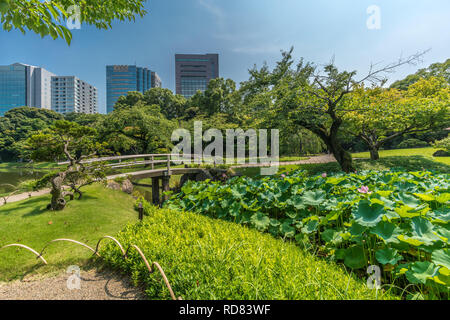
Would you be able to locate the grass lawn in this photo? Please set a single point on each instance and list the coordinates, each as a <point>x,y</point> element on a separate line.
<point>408,159</point>
<point>101,212</point>
<point>7,166</point>
<point>211,259</point>
<point>425,152</point>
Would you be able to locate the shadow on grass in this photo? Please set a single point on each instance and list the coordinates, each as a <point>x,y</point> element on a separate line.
<point>407,163</point>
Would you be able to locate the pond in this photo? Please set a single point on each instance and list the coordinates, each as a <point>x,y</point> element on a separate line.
<point>16,176</point>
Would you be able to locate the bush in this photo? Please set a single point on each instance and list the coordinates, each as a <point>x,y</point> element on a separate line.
<point>397,220</point>
<point>443,144</point>
<point>147,206</point>
<point>210,259</point>
<point>412,143</point>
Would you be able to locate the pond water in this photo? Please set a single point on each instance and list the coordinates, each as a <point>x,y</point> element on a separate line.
<point>146,192</point>
<point>16,176</point>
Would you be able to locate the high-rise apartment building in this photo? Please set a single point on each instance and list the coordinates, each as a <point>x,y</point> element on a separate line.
<point>121,79</point>
<point>70,94</point>
<point>194,71</point>
<point>24,85</point>
<point>156,80</point>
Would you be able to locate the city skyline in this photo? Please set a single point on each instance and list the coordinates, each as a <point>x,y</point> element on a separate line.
<point>194,71</point>
<point>34,86</point>
<point>244,34</point>
<point>121,79</point>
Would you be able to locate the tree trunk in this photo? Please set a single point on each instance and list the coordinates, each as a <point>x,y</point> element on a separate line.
<point>374,155</point>
<point>58,202</point>
<point>343,157</point>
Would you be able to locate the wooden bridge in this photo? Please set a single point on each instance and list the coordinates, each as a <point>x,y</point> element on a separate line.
<point>160,176</point>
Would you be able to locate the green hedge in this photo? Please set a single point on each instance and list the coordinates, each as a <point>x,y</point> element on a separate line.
<point>212,259</point>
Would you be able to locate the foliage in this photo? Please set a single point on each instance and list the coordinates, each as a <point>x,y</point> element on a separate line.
<point>76,143</point>
<point>85,119</point>
<point>137,130</point>
<point>147,207</point>
<point>48,17</point>
<point>18,125</point>
<point>412,143</point>
<point>344,218</point>
<point>209,259</point>
<point>443,144</point>
<point>377,115</point>
<point>27,222</point>
<point>434,70</point>
<point>220,96</point>
<point>311,97</point>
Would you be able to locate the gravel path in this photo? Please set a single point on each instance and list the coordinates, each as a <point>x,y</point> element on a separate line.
<point>94,285</point>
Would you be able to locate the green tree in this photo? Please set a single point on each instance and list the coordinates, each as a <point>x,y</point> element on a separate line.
<point>137,130</point>
<point>172,106</point>
<point>434,70</point>
<point>18,125</point>
<point>75,143</point>
<point>220,96</point>
<point>84,119</point>
<point>312,97</point>
<point>49,17</point>
<point>378,115</point>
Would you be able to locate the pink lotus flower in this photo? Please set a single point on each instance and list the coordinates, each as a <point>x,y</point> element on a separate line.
<point>324,175</point>
<point>364,190</point>
<point>283,176</point>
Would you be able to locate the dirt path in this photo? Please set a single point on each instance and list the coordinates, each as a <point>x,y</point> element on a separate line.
<point>24,196</point>
<point>94,285</point>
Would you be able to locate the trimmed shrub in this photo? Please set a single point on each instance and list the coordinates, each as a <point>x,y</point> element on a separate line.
<point>210,259</point>
<point>412,143</point>
<point>443,144</point>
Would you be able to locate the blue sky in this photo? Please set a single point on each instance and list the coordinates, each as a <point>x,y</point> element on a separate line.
<point>244,33</point>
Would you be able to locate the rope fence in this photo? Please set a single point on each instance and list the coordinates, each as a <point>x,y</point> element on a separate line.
<point>96,252</point>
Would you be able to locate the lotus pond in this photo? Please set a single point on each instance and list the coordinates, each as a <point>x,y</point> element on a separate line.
<point>395,220</point>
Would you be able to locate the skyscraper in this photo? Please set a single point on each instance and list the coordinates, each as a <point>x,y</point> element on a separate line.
<point>24,85</point>
<point>194,71</point>
<point>121,79</point>
<point>70,94</point>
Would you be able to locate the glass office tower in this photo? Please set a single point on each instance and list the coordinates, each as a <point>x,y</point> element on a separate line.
<point>121,79</point>
<point>194,71</point>
<point>24,85</point>
<point>13,84</point>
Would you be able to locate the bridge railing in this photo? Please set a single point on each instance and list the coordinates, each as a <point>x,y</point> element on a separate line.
<point>148,159</point>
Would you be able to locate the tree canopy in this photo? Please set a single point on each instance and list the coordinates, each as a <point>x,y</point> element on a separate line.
<point>49,17</point>
<point>377,115</point>
<point>434,70</point>
<point>75,143</point>
<point>19,124</point>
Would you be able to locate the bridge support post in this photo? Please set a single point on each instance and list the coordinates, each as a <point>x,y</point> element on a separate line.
<point>155,191</point>
<point>166,185</point>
